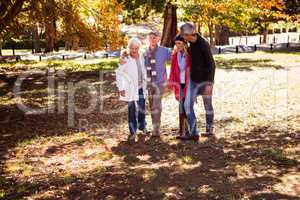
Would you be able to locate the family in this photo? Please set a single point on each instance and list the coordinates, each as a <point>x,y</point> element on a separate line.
<point>142,76</point>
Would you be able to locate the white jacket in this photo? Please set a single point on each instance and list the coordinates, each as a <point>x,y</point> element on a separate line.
<point>127,79</point>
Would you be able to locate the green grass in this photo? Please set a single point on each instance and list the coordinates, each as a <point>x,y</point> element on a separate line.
<point>245,64</point>
<point>67,65</point>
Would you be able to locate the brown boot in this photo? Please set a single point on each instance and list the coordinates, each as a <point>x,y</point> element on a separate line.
<point>182,125</point>
<point>185,125</point>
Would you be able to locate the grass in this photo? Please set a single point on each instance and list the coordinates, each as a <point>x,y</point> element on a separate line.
<point>43,156</point>
<point>279,156</point>
<point>245,64</point>
<point>67,65</point>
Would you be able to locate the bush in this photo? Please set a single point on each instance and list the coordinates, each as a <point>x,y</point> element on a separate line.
<point>26,44</point>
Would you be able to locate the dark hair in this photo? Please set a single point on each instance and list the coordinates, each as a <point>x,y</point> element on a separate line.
<point>179,38</point>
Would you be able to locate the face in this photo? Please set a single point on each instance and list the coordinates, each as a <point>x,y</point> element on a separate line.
<point>189,37</point>
<point>153,40</point>
<point>134,50</point>
<point>179,45</point>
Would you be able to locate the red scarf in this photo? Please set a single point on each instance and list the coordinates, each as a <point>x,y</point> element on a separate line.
<point>174,79</point>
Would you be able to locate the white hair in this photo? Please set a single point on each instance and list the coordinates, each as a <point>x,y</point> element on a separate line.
<point>134,42</point>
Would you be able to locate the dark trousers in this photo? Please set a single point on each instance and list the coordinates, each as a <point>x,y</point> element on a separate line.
<point>136,114</point>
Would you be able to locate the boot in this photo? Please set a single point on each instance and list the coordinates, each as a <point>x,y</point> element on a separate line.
<point>182,126</point>
<point>185,125</point>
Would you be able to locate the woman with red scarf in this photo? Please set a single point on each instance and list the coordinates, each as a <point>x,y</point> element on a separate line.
<point>180,66</point>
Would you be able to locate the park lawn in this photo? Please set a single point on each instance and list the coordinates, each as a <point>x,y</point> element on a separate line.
<point>65,65</point>
<point>255,155</point>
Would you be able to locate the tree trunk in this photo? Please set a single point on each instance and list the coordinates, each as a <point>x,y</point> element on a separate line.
<point>50,25</point>
<point>170,25</point>
<point>224,36</point>
<point>36,38</point>
<point>1,42</point>
<point>211,36</point>
<point>265,33</point>
<point>0,47</point>
<point>217,34</point>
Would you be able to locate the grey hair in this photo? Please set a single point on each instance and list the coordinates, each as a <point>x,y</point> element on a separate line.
<point>187,28</point>
<point>134,41</point>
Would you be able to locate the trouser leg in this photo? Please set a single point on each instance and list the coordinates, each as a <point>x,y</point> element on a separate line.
<point>209,112</point>
<point>141,111</point>
<point>189,107</point>
<point>156,108</point>
<point>132,123</point>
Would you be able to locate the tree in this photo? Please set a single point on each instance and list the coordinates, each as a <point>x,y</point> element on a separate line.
<point>170,25</point>
<point>139,10</point>
<point>266,12</point>
<point>212,13</point>
<point>292,8</point>
<point>9,10</point>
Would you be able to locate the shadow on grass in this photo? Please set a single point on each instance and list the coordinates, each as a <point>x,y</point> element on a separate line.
<point>245,64</point>
<point>290,50</point>
<point>18,127</point>
<point>170,169</point>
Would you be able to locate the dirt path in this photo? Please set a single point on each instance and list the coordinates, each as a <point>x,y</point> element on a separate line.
<point>254,156</point>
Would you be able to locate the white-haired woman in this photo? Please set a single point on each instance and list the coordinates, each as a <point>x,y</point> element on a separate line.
<point>132,82</point>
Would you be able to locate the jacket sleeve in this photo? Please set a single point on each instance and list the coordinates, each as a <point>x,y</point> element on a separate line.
<point>120,76</point>
<point>209,61</point>
<point>172,71</point>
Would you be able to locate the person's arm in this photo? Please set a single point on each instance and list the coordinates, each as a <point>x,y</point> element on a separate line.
<point>209,61</point>
<point>120,72</point>
<point>169,54</point>
<point>172,75</point>
<point>123,56</point>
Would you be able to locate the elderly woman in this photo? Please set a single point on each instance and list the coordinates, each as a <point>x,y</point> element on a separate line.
<point>132,82</point>
<point>180,66</point>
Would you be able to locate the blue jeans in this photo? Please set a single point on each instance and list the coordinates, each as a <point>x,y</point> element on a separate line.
<point>136,116</point>
<point>194,90</point>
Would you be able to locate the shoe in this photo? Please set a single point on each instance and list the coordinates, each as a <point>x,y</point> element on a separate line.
<point>145,131</point>
<point>207,135</point>
<point>155,135</point>
<point>131,137</point>
<point>189,137</point>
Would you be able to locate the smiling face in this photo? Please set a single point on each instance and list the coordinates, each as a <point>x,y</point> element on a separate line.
<point>134,50</point>
<point>153,40</point>
<point>179,45</point>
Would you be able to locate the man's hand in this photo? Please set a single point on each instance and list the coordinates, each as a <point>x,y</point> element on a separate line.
<point>208,89</point>
<point>122,93</point>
